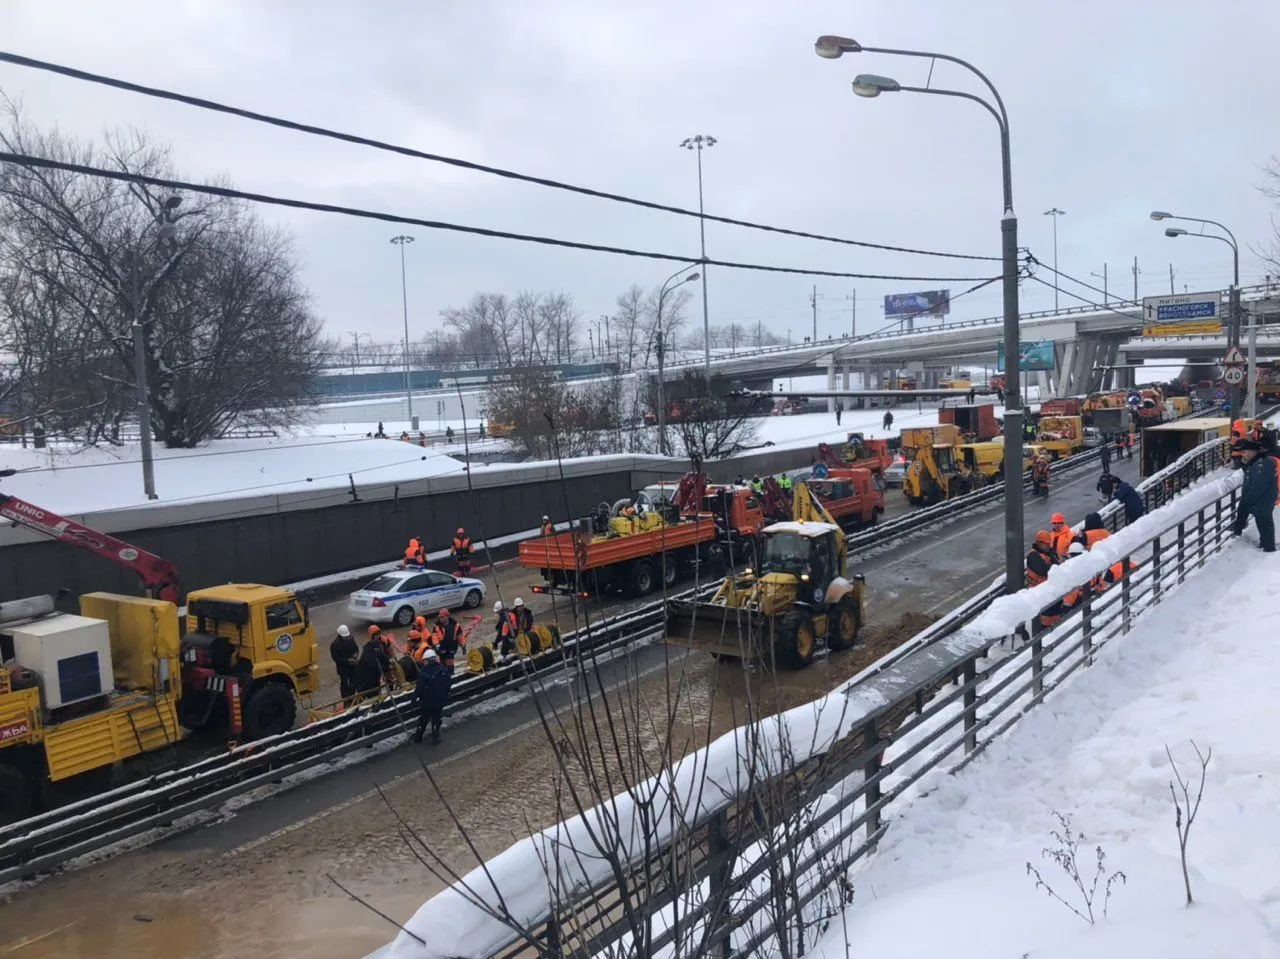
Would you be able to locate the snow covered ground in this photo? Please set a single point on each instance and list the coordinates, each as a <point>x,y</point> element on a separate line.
<point>957,858</point>
<point>94,480</point>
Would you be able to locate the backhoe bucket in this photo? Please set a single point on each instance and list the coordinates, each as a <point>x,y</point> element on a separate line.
<point>724,631</point>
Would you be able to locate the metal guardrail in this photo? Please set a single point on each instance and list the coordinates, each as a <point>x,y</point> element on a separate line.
<point>936,704</point>
<point>53,838</point>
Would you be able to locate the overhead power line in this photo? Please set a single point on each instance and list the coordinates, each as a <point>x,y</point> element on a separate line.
<point>233,194</point>
<point>203,104</point>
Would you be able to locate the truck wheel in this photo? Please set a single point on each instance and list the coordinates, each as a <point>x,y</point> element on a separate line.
<point>270,711</point>
<point>641,578</point>
<point>842,624</point>
<point>795,639</point>
<point>15,794</point>
<point>670,571</point>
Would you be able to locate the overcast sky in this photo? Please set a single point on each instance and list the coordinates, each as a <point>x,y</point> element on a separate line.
<point>1117,107</point>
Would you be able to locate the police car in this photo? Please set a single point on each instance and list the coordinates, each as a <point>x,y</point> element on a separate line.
<point>397,597</point>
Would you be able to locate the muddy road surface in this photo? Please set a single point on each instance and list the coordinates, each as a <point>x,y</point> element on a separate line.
<point>263,881</point>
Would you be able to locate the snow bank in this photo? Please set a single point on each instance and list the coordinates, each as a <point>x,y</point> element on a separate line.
<point>564,861</point>
<point>99,479</point>
<point>1198,667</point>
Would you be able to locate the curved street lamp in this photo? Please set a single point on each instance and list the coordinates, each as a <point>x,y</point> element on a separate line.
<point>1233,330</point>
<point>869,86</point>
<point>658,335</point>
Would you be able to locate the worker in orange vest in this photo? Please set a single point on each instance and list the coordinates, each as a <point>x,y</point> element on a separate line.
<point>1040,559</point>
<point>446,638</point>
<point>417,633</point>
<point>414,554</point>
<point>1062,536</point>
<point>1093,532</point>
<point>1055,613</point>
<point>462,552</point>
<point>548,528</point>
<point>504,639</point>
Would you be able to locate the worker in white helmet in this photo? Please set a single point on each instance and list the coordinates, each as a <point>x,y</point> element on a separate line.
<point>504,636</point>
<point>345,652</point>
<point>524,615</point>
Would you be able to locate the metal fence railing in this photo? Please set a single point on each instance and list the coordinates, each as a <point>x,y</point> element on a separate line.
<point>739,875</point>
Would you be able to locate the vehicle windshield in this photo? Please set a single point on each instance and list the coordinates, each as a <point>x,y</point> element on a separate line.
<point>384,584</point>
<point>784,553</point>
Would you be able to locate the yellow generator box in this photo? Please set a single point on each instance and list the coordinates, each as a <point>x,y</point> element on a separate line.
<point>144,639</point>
<point>947,434</point>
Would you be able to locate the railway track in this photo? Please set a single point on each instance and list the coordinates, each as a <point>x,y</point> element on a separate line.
<point>142,810</point>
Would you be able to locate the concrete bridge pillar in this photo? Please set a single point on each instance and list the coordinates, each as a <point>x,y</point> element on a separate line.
<point>1111,350</point>
<point>1065,354</point>
<point>831,385</point>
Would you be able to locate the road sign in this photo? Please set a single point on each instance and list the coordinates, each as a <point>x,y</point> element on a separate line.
<point>1234,375</point>
<point>1184,314</point>
<point>820,471</point>
<point>1234,357</point>
<point>1219,394</point>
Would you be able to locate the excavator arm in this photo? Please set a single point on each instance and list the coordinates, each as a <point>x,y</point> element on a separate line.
<point>777,501</point>
<point>159,576</point>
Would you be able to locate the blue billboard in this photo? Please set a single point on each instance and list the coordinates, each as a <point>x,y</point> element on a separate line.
<point>1035,357</point>
<point>930,303</point>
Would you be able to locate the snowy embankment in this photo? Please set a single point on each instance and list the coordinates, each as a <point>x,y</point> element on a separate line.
<point>1096,752</point>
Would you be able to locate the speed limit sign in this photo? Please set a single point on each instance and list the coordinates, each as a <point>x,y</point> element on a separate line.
<point>1233,375</point>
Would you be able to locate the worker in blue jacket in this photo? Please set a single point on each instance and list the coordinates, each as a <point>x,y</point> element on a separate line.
<point>1128,497</point>
<point>1257,494</point>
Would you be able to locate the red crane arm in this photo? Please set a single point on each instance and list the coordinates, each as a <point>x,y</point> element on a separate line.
<point>159,576</point>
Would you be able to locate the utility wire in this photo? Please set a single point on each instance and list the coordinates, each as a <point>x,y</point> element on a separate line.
<point>229,193</point>
<point>204,104</point>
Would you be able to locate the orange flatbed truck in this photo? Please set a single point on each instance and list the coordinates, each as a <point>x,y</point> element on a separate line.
<point>578,563</point>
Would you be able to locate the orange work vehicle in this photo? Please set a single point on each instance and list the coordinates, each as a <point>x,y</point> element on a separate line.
<point>635,550</point>
<point>851,495</point>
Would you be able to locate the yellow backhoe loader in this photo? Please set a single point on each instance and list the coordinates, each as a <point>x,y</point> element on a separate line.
<point>777,612</point>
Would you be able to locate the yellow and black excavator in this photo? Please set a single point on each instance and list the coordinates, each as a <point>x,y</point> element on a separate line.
<point>939,470</point>
<point>775,613</point>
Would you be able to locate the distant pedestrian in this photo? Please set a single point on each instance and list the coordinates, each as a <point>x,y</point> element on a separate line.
<point>448,434</point>
<point>838,412</point>
<point>432,693</point>
<point>1106,459</point>
<point>888,419</point>
<point>1257,495</point>
<point>972,395</point>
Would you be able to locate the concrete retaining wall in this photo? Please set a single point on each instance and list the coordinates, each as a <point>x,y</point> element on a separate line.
<point>295,536</point>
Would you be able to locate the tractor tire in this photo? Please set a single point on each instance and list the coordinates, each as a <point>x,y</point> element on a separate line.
<point>16,794</point>
<point>641,579</point>
<point>270,710</point>
<point>404,616</point>
<point>670,571</point>
<point>473,599</point>
<point>795,640</point>
<point>843,623</point>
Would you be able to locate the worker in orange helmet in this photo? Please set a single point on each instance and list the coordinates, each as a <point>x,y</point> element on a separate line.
<point>1041,558</point>
<point>462,552</point>
<point>1062,536</point>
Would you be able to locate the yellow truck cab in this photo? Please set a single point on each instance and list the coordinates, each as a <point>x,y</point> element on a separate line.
<point>263,636</point>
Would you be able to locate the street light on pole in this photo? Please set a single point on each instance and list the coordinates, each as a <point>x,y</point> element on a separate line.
<point>831,48</point>
<point>1055,213</point>
<point>401,241</point>
<point>660,342</point>
<point>698,144</point>
<point>1233,331</point>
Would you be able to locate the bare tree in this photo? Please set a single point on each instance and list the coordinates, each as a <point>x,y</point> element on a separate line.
<point>1186,808</point>
<point>627,325</point>
<point>550,418</point>
<point>560,319</point>
<point>1270,187</point>
<point>228,332</point>
<point>707,423</point>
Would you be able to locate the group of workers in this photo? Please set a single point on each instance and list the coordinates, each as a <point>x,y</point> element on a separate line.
<point>1056,546</point>
<point>1253,449</point>
<point>415,554</point>
<point>433,648</point>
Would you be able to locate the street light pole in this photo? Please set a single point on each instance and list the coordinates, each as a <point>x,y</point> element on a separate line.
<point>1055,213</point>
<point>831,48</point>
<point>659,341</point>
<point>401,241</point>
<point>1233,307</point>
<point>698,143</point>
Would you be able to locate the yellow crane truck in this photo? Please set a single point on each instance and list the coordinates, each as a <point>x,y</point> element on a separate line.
<point>776,613</point>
